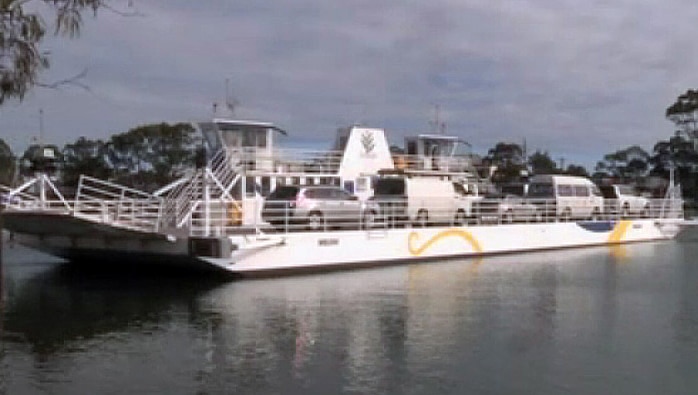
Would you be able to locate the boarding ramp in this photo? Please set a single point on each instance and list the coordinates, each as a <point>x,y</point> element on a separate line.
<point>116,205</point>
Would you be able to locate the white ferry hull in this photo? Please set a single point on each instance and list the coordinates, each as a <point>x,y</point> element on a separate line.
<point>270,254</point>
<point>348,249</point>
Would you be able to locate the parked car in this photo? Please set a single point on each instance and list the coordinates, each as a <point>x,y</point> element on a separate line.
<point>317,207</point>
<point>495,208</point>
<point>625,200</point>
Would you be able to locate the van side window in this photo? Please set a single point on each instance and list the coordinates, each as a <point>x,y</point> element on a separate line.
<point>565,190</point>
<point>311,194</point>
<point>581,190</point>
<point>341,194</point>
<point>390,186</point>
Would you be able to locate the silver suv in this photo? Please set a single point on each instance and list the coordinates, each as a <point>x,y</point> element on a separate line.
<point>317,207</point>
<point>625,201</point>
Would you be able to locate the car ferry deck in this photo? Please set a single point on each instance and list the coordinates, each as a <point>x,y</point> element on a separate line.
<point>214,216</point>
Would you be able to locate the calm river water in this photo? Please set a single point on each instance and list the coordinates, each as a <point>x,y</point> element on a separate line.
<point>618,320</point>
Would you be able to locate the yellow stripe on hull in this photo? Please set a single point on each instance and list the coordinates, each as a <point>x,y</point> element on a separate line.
<point>415,250</point>
<point>619,231</point>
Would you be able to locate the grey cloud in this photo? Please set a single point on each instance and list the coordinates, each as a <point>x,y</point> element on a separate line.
<point>578,79</point>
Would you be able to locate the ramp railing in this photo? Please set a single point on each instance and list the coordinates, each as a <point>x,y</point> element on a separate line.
<point>116,204</point>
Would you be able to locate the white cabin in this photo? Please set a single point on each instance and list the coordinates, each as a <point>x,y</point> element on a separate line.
<point>364,152</point>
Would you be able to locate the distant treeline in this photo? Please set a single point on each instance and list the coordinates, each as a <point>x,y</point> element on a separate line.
<point>146,157</point>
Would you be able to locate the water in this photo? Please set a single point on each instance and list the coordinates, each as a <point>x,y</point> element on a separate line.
<point>618,320</point>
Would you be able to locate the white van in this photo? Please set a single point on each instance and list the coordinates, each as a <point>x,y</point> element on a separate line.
<point>566,197</point>
<point>422,200</point>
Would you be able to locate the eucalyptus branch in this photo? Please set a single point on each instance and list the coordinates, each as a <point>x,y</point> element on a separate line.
<point>70,81</point>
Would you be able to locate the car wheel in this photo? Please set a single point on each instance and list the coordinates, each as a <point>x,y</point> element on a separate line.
<point>315,221</point>
<point>369,219</point>
<point>508,217</point>
<point>566,215</point>
<point>422,218</point>
<point>596,214</point>
<point>538,216</point>
<point>625,212</point>
<point>460,218</point>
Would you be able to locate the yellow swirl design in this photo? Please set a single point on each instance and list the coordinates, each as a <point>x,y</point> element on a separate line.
<point>619,231</point>
<point>415,250</point>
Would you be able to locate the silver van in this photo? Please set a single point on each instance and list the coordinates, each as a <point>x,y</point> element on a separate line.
<point>565,197</point>
<point>422,200</point>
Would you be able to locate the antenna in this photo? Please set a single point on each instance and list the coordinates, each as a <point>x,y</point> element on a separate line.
<point>437,125</point>
<point>230,102</point>
<point>41,127</point>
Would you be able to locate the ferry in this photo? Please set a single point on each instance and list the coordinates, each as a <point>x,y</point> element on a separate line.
<point>217,216</point>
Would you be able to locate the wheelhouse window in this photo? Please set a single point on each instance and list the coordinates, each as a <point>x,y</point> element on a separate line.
<point>247,136</point>
<point>262,139</point>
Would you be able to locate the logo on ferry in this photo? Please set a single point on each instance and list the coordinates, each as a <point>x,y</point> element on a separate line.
<point>367,142</point>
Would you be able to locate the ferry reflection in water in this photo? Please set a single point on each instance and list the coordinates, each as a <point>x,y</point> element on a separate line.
<point>575,321</point>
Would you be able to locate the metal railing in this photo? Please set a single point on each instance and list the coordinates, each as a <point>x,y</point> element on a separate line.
<point>10,198</point>
<point>214,182</point>
<point>290,216</point>
<point>296,161</point>
<point>115,204</point>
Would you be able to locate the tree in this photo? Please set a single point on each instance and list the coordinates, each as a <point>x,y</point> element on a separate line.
<point>86,157</point>
<point>509,160</point>
<point>626,165</point>
<point>542,163</point>
<point>7,164</point>
<point>153,155</point>
<point>684,114</point>
<point>576,170</point>
<point>22,29</point>
<point>677,153</point>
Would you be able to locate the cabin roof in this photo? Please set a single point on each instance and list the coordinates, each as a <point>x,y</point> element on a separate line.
<point>243,122</point>
<point>438,137</point>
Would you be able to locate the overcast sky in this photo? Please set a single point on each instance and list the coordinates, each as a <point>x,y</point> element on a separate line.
<point>578,79</point>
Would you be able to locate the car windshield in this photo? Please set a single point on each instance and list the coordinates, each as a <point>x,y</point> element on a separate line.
<point>626,190</point>
<point>608,192</point>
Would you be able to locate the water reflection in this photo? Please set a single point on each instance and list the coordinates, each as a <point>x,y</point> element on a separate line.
<point>62,307</point>
<point>685,319</point>
<point>542,321</point>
